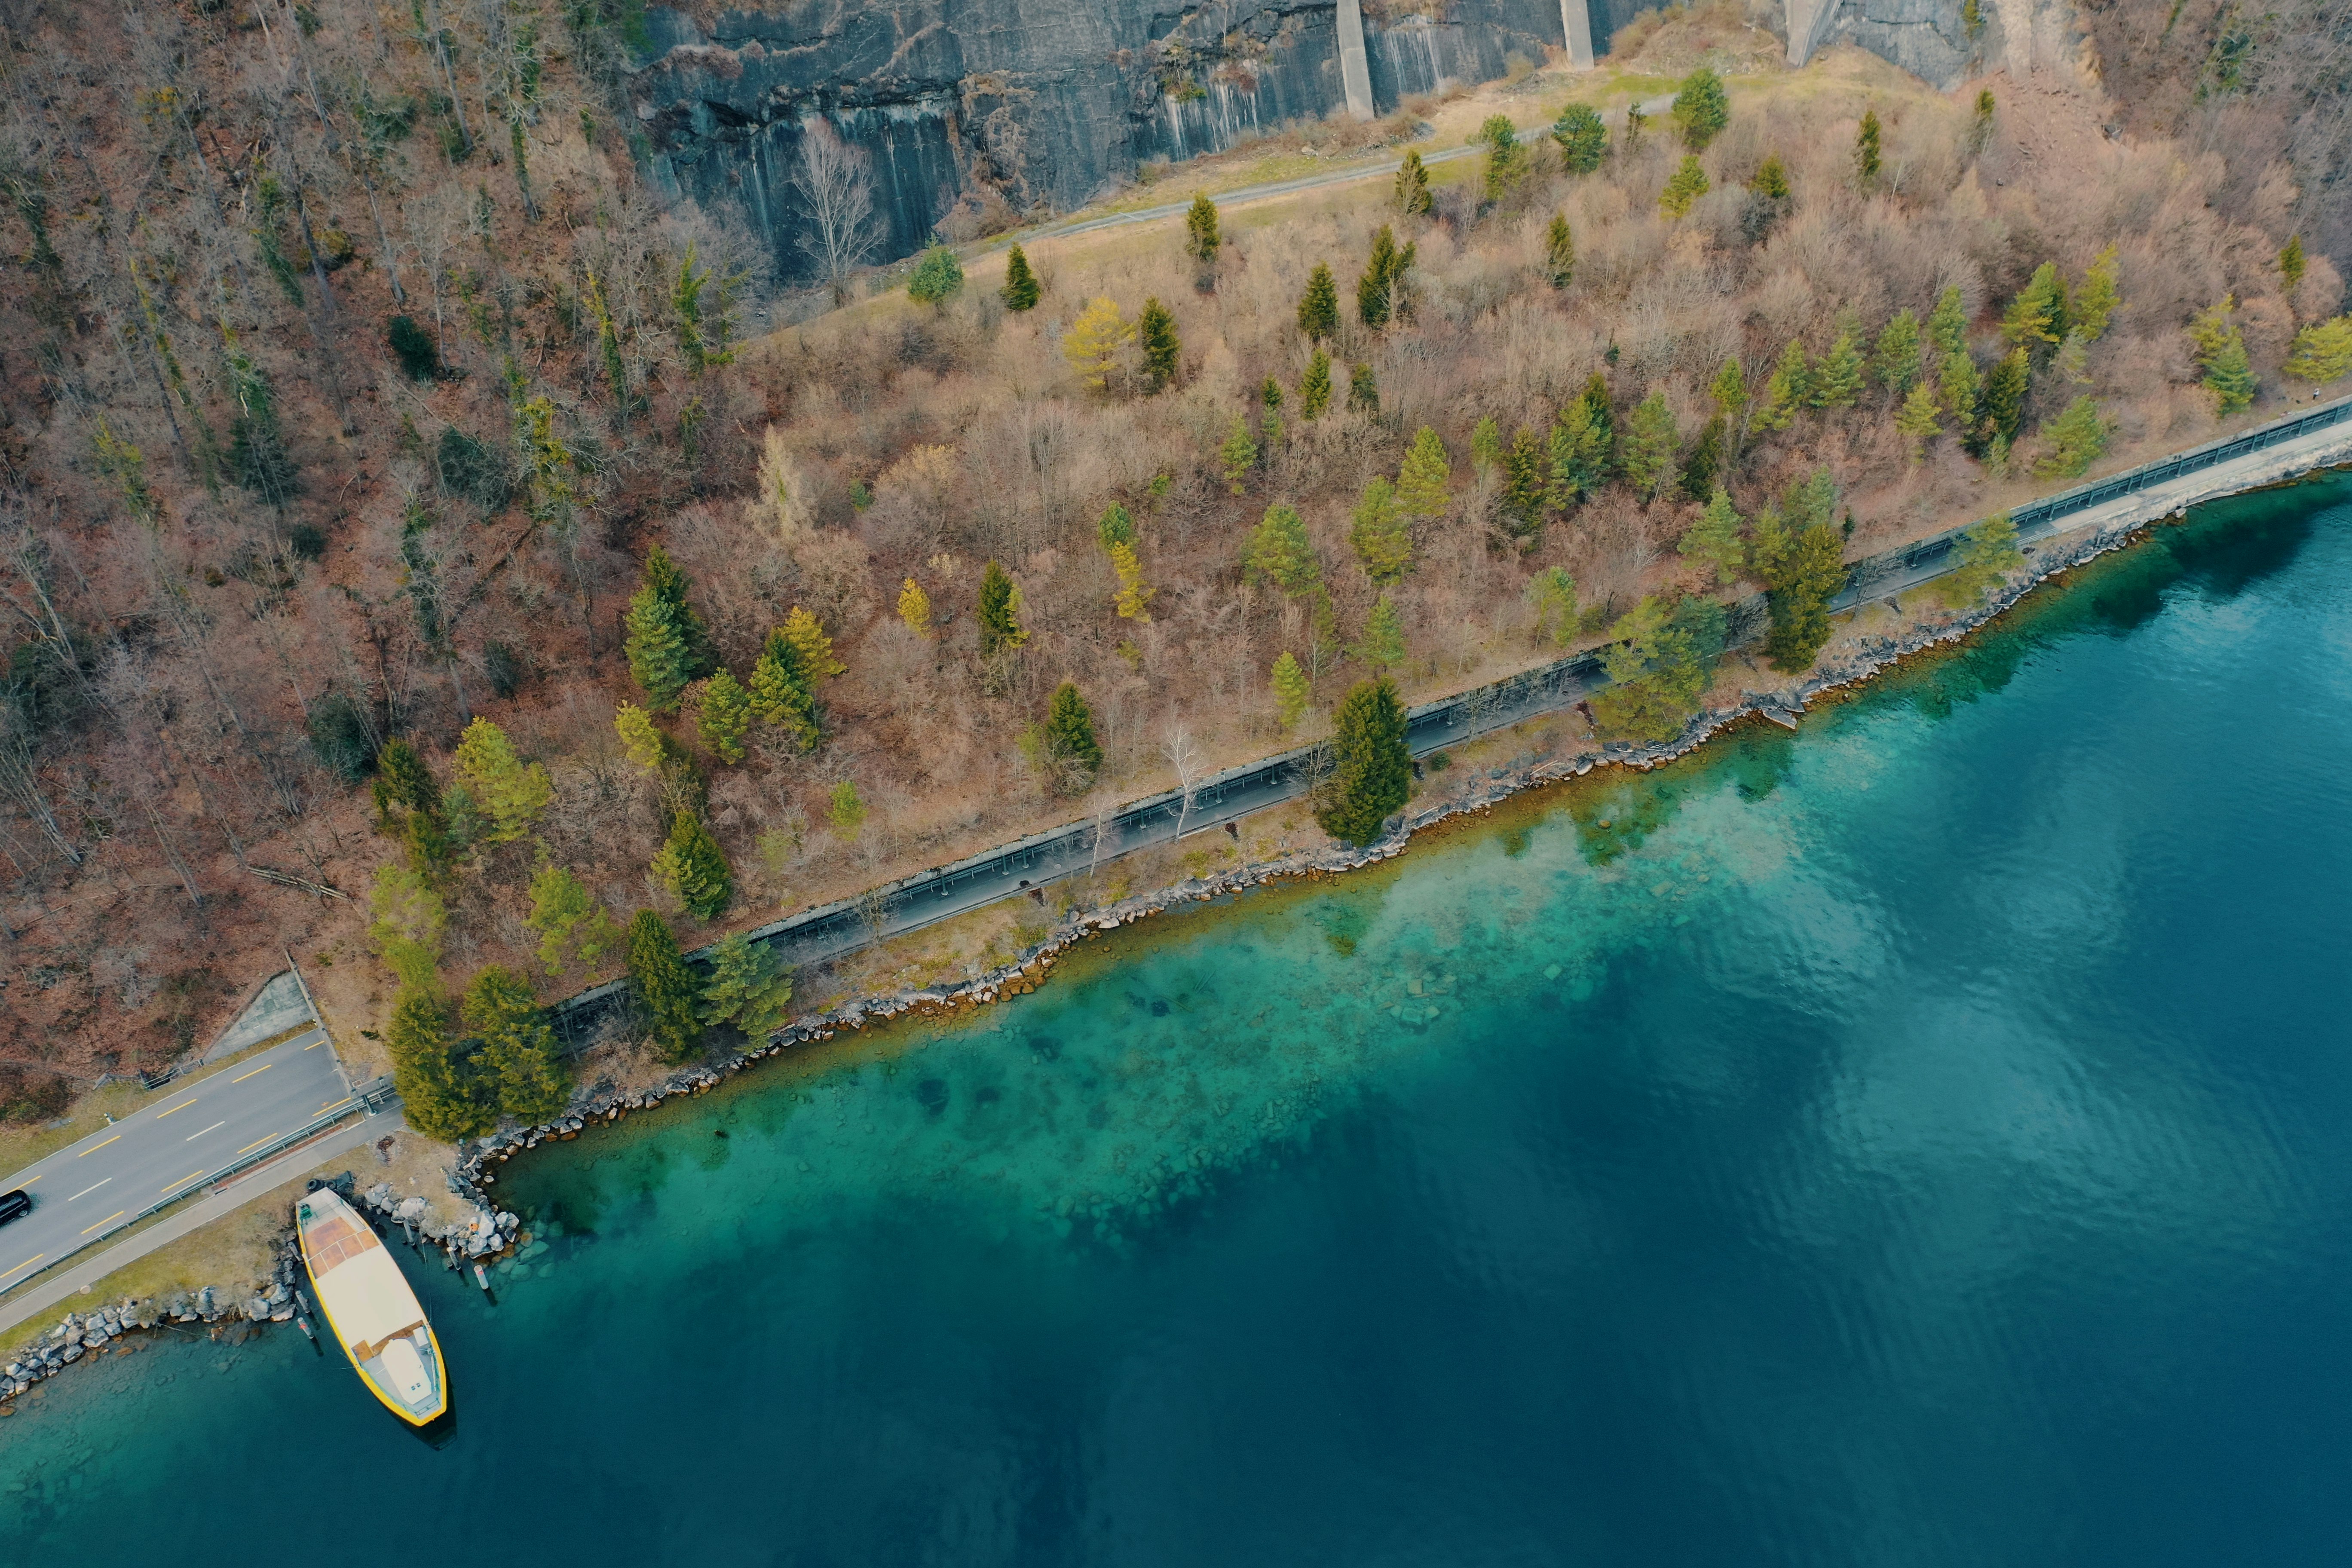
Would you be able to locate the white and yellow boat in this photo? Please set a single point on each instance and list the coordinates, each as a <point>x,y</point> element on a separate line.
<point>370,1309</point>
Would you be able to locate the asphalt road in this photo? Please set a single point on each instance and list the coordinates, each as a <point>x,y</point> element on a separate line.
<point>196,1130</point>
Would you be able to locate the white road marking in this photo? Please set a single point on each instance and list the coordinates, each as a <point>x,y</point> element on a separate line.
<point>89,1189</point>
<point>214,1127</point>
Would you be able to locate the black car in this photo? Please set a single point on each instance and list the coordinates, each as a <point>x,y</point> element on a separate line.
<point>15,1205</point>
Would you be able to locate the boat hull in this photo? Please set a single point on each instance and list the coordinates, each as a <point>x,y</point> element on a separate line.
<point>371,1309</point>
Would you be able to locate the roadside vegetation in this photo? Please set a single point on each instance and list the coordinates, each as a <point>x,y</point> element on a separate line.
<point>416,557</point>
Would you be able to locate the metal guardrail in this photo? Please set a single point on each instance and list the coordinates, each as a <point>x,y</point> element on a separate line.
<point>368,1099</point>
<point>1448,720</point>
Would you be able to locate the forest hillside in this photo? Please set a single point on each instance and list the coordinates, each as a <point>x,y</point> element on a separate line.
<point>415,563</point>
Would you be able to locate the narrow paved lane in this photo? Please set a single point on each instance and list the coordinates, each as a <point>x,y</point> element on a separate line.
<point>198,1129</point>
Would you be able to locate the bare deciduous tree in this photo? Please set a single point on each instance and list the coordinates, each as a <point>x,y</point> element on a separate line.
<point>835,185</point>
<point>1184,754</point>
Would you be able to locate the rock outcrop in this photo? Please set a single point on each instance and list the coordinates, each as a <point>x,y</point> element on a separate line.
<point>1035,105</point>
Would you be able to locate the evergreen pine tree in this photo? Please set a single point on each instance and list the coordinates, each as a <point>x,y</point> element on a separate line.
<point>846,812</point>
<point>1647,453</point>
<point>1021,288</point>
<point>1687,185</point>
<point>645,743</point>
<point>1486,445</point>
<point>1866,151</point>
<point>1318,307</point>
<point>1715,541</point>
<point>1383,644</point>
<point>2038,315</point>
<point>664,577</point>
<point>570,921</point>
<point>1579,454</point>
<point>2003,405</point>
<point>434,1097</point>
<point>693,867</point>
<point>657,655</point>
<point>1771,181</point>
<point>779,691</point>
<point>1836,381</point>
<point>2291,263</point>
<point>1659,665</point>
<point>1374,299</point>
<point>723,715</point>
<point>1948,324</point>
<point>2074,441</point>
<point>1201,235</point>
<point>1314,387</point>
<point>936,277</point>
<point>1896,357</point>
<point>747,988</point>
<point>1070,737</point>
<point>1919,420</point>
<point>1279,553</point>
<point>2229,377</point>
<point>506,791</point>
<point>403,780</point>
<point>1380,533</point>
<point>664,987</point>
<point>1238,455</point>
<point>1701,109</point>
<point>1584,138</point>
<point>807,636</point>
<point>1705,461</point>
<point>2322,351</point>
<point>1985,552</point>
<point>1116,526</point>
<point>1505,160</point>
<point>1552,594</point>
<point>1423,481</point>
<point>1363,391</point>
<point>1526,474</point>
<point>1807,575</point>
<point>1163,349</point>
<point>1729,390</point>
<point>1963,395</point>
<point>1292,690</point>
<point>1412,197</point>
<point>915,609</point>
<point>1269,392</point>
<point>1000,628</point>
<point>1372,776</point>
<point>1786,392</point>
<point>1560,252</point>
<point>520,1062</point>
<point>1127,568</point>
<point>2098,297</point>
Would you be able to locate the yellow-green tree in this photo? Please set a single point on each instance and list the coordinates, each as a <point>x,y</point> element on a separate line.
<point>915,608</point>
<point>723,714</point>
<point>640,738</point>
<point>1382,533</point>
<point>507,791</point>
<point>806,635</point>
<point>1133,597</point>
<point>1424,479</point>
<point>1095,339</point>
<point>570,920</point>
<point>1292,690</point>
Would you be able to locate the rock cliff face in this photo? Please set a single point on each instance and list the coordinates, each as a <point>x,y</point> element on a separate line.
<point>1933,40</point>
<point>1041,104</point>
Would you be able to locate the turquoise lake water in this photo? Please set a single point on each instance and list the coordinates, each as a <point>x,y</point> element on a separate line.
<point>1925,1139</point>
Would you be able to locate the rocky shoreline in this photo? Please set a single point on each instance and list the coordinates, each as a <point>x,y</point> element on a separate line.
<point>478,1169</point>
<point>492,1231</point>
<point>97,1333</point>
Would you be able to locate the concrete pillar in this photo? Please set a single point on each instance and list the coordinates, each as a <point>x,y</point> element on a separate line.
<point>1576,27</point>
<point>1809,26</point>
<point>1355,69</point>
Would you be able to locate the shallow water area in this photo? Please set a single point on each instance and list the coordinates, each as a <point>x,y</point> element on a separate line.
<point>1918,1139</point>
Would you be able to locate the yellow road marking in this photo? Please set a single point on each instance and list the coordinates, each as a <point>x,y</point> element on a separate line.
<point>314,1045</point>
<point>109,1219</point>
<point>26,1264</point>
<point>95,1148</point>
<point>254,1073</point>
<point>257,1143</point>
<point>183,1181</point>
<point>177,1108</point>
<point>332,1103</point>
<point>30,1180</point>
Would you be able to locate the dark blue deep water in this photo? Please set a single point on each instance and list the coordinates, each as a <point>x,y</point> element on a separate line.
<point>1925,1139</point>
